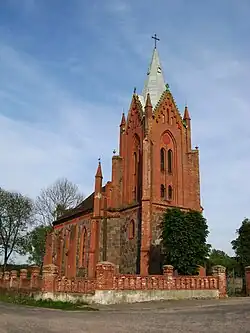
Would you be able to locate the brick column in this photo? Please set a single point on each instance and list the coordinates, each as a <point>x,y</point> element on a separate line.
<point>6,278</point>
<point>35,271</point>
<point>105,272</point>
<point>13,279</point>
<point>247,276</point>
<point>50,273</point>
<point>146,233</point>
<point>23,277</point>
<point>220,272</point>
<point>168,272</point>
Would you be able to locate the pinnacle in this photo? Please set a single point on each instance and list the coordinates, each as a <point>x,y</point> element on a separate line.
<point>148,101</point>
<point>123,121</point>
<point>99,170</point>
<point>186,114</point>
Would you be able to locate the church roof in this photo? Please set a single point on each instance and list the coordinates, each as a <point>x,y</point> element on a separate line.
<point>83,208</point>
<point>155,83</point>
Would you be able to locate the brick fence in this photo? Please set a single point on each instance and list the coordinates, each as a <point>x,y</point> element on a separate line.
<point>127,287</point>
<point>11,280</point>
<point>110,287</point>
<point>122,287</point>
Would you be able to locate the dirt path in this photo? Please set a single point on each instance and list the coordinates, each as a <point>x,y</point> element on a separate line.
<point>231,315</point>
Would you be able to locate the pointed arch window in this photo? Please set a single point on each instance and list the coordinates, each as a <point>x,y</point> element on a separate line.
<point>163,191</point>
<point>170,161</point>
<point>170,192</point>
<point>135,163</point>
<point>83,254</point>
<point>162,156</point>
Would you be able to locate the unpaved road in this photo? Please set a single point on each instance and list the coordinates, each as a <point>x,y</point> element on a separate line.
<point>231,315</point>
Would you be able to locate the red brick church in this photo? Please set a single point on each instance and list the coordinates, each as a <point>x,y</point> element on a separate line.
<point>156,168</point>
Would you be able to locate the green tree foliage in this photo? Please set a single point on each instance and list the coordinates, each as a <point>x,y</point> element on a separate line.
<point>35,244</point>
<point>184,236</point>
<point>15,219</point>
<point>218,257</point>
<point>241,245</point>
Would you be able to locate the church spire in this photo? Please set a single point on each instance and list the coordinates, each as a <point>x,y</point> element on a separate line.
<point>155,84</point>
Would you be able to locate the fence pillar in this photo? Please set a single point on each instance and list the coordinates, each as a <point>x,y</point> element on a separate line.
<point>35,271</point>
<point>13,279</point>
<point>220,272</point>
<point>50,274</point>
<point>23,277</point>
<point>168,272</point>
<point>105,272</point>
<point>6,278</point>
<point>247,276</point>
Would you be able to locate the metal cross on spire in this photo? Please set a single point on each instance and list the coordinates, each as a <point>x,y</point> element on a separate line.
<point>156,39</point>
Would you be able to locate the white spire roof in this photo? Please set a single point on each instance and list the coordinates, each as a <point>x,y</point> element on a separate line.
<point>155,84</point>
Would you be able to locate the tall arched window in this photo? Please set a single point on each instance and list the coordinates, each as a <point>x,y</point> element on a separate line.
<point>170,192</point>
<point>170,161</point>
<point>135,163</point>
<point>163,191</point>
<point>82,254</point>
<point>162,155</point>
<point>168,116</point>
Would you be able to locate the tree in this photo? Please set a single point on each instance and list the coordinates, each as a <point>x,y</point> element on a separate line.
<point>35,244</point>
<point>218,257</point>
<point>184,236</point>
<point>55,199</point>
<point>15,218</point>
<point>241,245</point>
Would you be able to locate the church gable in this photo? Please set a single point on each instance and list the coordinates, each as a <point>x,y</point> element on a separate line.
<point>167,112</point>
<point>135,116</point>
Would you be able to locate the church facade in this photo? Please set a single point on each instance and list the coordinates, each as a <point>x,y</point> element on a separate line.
<point>156,169</point>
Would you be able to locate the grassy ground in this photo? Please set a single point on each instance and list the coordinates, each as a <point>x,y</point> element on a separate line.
<point>17,298</point>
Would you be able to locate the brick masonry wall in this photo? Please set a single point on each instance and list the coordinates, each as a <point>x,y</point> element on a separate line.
<point>116,246</point>
<point>108,279</point>
<point>247,276</point>
<point>66,256</point>
<point>11,280</point>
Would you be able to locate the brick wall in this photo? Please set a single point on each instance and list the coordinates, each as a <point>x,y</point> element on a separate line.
<point>21,281</point>
<point>107,278</point>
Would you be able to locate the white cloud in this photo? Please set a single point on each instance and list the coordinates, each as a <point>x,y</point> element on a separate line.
<point>58,133</point>
<point>65,137</point>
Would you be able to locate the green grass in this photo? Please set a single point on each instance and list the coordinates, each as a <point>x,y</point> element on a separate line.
<point>20,299</point>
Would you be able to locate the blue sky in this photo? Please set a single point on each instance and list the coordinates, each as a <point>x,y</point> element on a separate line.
<point>68,69</point>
